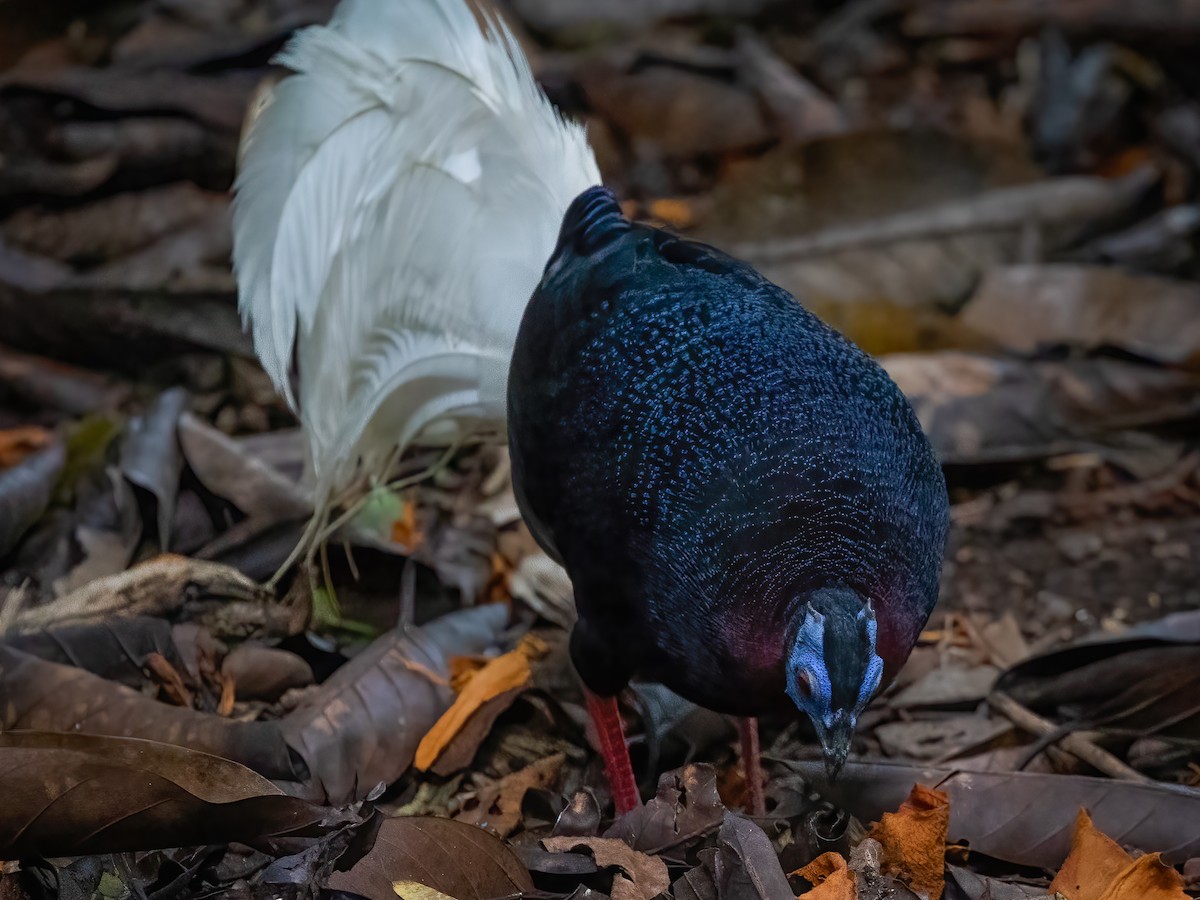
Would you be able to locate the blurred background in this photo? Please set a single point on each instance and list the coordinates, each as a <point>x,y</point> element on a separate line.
<point>998,198</point>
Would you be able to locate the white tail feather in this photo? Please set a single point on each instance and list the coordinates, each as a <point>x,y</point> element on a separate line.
<point>397,201</point>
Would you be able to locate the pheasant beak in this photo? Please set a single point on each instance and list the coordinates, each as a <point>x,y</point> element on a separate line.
<point>836,732</point>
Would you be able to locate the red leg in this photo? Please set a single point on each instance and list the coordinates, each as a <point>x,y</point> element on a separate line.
<point>606,718</point>
<point>748,731</point>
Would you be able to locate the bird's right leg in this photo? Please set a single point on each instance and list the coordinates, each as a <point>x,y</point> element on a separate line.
<point>606,718</point>
<point>752,766</point>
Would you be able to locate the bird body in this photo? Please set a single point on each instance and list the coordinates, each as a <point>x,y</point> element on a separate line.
<point>743,500</point>
<point>706,457</point>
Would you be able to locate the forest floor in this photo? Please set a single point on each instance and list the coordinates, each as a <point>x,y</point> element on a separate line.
<point>998,199</point>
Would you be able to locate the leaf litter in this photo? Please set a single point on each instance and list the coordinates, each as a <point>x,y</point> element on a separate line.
<point>1008,216</point>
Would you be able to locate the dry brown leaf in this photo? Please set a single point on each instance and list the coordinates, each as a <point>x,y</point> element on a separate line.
<point>79,794</point>
<point>645,876</point>
<point>914,840</point>
<point>499,807</point>
<point>463,669</point>
<point>414,890</point>
<point>831,877</point>
<point>405,530</point>
<point>453,858</point>
<point>18,443</point>
<point>1098,869</point>
<point>501,675</point>
<point>676,213</point>
<point>157,587</point>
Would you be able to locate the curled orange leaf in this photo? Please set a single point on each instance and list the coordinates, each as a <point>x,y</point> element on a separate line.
<point>501,675</point>
<point>914,840</point>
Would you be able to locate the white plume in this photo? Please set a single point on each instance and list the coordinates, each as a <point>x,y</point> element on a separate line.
<point>397,201</point>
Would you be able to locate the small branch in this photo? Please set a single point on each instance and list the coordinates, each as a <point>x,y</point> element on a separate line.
<point>1075,744</point>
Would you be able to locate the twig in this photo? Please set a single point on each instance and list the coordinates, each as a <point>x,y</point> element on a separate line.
<point>1061,201</point>
<point>1075,744</point>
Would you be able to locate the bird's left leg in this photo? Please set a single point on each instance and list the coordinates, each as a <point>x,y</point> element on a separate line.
<point>752,765</point>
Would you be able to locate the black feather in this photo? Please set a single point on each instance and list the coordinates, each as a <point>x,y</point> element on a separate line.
<point>703,454</point>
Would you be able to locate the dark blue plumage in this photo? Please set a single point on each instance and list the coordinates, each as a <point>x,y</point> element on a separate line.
<point>714,467</point>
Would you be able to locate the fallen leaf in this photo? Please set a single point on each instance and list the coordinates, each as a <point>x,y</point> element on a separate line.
<point>914,840</point>
<point>1098,869</point>
<point>685,112</point>
<point>405,530</point>
<point>746,862</point>
<point>42,696</point>
<point>983,887</point>
<point>1026,308</point>
<point>674,212</point>
<point>1142,681</point>
<point>455,858</point>
<point>364,724</point>
<point>644,878</point>
<point>885,260</point>
<point>18,443</point>
<point>49,384</point>
<point>948,686</point>
<point>76,794</point>
<point>944,737</point>
<point>1023,817</point>
<point>504,676</point>
<point>157,587</point>
<point>686,805</point>
<point>978,409</point>
<point>414,890</point>
<point>830,877</point>
<point>110,227</point>
<point>499,803</point>
<point>25,491</point>
<point>151,459</point>
<point>232,470</point>
<point>114,650</point>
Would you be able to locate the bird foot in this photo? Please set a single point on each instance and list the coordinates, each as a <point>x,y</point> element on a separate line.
<point>752,764</point>
<point>606,717</point>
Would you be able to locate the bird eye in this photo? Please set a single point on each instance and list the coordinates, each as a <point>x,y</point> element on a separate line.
<point>804,682</point>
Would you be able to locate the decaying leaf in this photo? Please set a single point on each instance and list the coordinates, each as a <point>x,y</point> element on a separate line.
<point>157,587</point>
<point>114,650</point>
<point>978,409</point>
<point>502,677</point>
<point>499,803</point>
<point>74,794</point>
<point>18,443</point>
<point>455,858</point>
<point>746,863</point>
<point>1098,869</point>
<point>414,890</point>
<point>44,696</point>
<point>1143,682</point>
<point>983,887</point>
<point>1024,817</point>
<point>25,491</point>
<point>830,877</point>
<point>363,725</point>
<point>643,877</point>
<point>886,261</point>
<point>232,470</point>
<point>151,458</point>
<point>685,806</point>
<point>914,840</point>
<point>1026,308</point>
